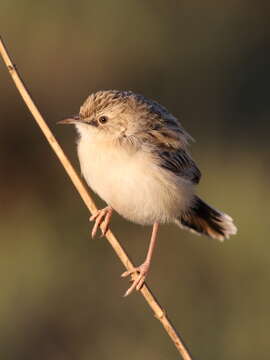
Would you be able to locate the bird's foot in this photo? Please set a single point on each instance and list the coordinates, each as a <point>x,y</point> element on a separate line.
<point>139,280</point>
<point>102,215</point>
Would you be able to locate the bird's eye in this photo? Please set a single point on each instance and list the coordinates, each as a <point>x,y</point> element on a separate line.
<point>103,119</point>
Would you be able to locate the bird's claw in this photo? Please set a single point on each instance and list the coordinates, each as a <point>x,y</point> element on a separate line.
<point>103,215</point>
<point>139,280</point>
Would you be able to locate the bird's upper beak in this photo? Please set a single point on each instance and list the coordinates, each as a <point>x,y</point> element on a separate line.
<point>73,120</point>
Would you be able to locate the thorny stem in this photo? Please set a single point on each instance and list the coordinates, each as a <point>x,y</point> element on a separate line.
<point>159,312</point>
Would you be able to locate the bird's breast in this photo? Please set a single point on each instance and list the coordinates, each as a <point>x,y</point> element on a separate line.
<point>132,183</point>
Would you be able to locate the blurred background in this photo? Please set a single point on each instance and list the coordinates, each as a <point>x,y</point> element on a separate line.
<point>61,292</point>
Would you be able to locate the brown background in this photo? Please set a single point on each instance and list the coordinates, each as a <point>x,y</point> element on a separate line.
<point>61,295</point>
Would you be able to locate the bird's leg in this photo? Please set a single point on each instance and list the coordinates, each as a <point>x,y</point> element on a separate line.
<point>100,216</point>
<point>144,267</point>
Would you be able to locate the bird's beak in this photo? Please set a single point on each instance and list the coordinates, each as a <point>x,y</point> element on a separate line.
<point>73,120</point>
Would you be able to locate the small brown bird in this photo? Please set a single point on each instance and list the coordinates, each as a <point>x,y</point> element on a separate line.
<point>133,154</point>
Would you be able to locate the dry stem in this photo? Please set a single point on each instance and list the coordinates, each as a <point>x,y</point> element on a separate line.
<point>145,291</point>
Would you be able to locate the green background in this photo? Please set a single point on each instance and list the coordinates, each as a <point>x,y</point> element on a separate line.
<point>60,291</point>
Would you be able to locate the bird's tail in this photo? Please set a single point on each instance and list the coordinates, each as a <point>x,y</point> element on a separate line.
<point>203,219</point>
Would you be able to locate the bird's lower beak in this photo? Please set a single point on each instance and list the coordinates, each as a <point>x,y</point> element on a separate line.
<point>69,121</point>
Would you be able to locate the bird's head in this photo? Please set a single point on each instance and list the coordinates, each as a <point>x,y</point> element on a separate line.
<point>113,114</point>
<point>128,118</point>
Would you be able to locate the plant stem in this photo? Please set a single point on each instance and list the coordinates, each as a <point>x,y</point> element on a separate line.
<point>159,313</point>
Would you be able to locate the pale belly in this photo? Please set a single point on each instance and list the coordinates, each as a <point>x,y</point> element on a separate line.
<point>132,184</point>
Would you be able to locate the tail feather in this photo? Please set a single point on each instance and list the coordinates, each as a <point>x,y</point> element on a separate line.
<point>203,219</point>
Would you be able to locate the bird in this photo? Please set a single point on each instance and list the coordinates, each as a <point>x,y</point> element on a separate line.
<point>134,154</point>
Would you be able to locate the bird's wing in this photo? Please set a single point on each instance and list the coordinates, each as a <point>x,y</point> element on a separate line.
<point>180,163</point>
<point>169,148</point>
<point>167,140</point>
<point>171,141</point>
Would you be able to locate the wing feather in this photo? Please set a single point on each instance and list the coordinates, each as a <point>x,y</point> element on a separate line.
<point>180,163</point>
<point>166,138</point>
